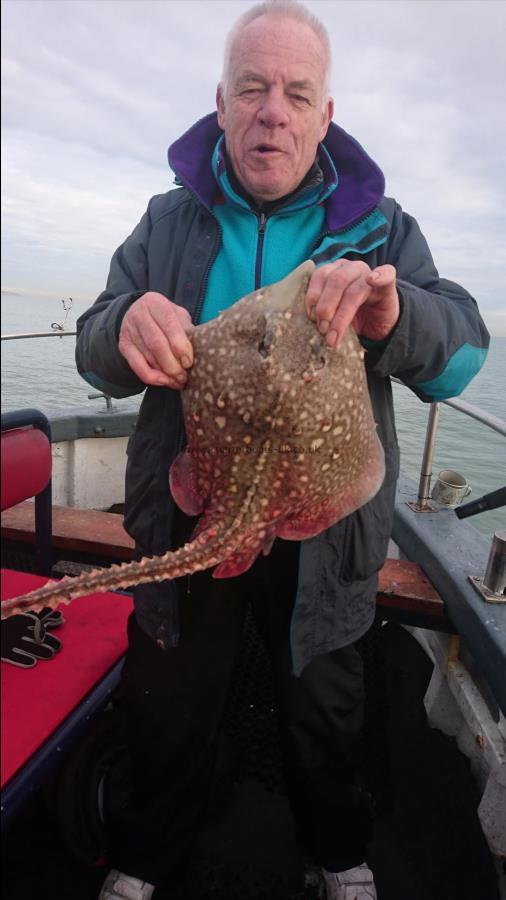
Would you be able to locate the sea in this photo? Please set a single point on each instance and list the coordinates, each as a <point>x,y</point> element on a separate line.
<point>41,373</point>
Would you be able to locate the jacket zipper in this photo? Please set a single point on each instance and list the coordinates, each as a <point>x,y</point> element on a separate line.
<point>262,221</point>
<point>212,257</point>
<point>326,234</point>
<point>203,287</point>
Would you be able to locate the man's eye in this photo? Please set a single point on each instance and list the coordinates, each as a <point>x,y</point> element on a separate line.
<point>299,98</point>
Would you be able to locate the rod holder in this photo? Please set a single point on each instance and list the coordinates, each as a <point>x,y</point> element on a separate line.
<point>495,575</point>
<point>107,398</point>
<point>492,586</point>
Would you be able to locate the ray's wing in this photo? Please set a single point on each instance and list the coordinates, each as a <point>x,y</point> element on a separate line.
<point>183,482</point>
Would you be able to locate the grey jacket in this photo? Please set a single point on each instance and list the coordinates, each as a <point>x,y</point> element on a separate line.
<point>437,345</point>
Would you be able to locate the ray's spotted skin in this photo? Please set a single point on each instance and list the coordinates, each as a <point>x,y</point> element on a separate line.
<point>281,443</point>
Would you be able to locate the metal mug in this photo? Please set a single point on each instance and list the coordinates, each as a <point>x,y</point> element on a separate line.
<point>450,489</point>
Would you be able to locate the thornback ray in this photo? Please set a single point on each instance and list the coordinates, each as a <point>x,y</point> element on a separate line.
<point>281,442</point>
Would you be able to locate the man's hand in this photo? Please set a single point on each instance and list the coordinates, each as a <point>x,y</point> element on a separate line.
<point>350,293</point>
<point>154,340</point>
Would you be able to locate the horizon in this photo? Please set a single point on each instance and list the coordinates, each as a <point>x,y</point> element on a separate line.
<point>495,320</point>
<point>497,328</point>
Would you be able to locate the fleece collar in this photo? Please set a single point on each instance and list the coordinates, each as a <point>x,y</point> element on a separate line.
<point>360,185</point>
<point>313,189</point>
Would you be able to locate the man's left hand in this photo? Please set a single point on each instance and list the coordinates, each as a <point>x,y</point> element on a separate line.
<point>350,293</point>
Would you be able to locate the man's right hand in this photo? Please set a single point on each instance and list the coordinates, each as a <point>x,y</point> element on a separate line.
<point>154,340</point>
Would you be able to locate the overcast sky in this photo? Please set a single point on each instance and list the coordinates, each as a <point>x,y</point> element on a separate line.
<point>94,91</point>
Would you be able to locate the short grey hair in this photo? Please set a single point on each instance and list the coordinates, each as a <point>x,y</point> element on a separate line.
<point>289,9</point>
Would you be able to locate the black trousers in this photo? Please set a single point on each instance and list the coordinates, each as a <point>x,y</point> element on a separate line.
<point>174,701</point>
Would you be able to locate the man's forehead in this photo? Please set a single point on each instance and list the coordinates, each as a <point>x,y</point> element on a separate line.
<point>271,39</point>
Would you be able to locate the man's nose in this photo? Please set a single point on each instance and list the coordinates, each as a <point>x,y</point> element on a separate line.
<point>273,111</point>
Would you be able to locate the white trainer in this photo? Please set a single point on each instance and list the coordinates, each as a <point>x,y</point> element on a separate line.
<point>118,886</point>
<point>353,884</point>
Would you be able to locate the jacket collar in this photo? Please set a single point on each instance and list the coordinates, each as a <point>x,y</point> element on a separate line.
<point>314,187</point>
<point>360,185</point>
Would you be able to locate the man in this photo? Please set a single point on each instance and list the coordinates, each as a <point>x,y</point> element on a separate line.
<point>267,183</point>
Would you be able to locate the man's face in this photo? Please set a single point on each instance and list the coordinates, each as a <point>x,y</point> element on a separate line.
<point>273,112</point>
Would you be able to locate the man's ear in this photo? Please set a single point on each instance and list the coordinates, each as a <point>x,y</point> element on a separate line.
<point>328,112</point>
<point>220,106</point>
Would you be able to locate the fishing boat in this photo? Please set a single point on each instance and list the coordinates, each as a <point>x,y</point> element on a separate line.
<point>434,746</point>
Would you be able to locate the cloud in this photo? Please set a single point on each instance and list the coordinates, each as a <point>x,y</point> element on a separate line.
<point>67,217</point>
<point>95,90</point>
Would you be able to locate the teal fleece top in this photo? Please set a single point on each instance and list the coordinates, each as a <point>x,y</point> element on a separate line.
<point>257,249</point>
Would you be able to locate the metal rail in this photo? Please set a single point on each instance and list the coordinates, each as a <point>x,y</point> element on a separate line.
<point>475,412</point>
<point>428,454</point>
<point>494,422</point>
<point>36,334</point>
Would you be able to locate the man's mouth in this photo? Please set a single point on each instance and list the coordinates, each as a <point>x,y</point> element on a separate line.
<point>265,149</point>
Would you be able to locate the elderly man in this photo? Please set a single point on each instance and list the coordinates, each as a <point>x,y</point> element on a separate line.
<point>264,185</point>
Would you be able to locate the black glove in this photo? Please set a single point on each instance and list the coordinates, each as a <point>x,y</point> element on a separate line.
<point>25,638</point>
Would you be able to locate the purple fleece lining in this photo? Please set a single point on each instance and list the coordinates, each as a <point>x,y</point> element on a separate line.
<point>360,181</point>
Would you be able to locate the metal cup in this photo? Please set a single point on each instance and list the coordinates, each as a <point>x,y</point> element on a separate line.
<point>450,489</point>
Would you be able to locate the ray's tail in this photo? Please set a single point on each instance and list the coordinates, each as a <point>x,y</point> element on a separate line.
<point>208,549</point>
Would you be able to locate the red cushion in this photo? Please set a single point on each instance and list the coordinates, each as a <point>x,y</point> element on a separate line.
<point>26,464</point>
<point>36,701</point>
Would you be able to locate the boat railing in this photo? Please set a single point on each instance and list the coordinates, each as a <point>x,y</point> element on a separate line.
<point>492,585</point>
<point>37,334</point>
<point>469,409</point>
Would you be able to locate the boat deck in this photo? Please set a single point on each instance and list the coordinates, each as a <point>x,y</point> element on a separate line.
<point>428,844</point>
